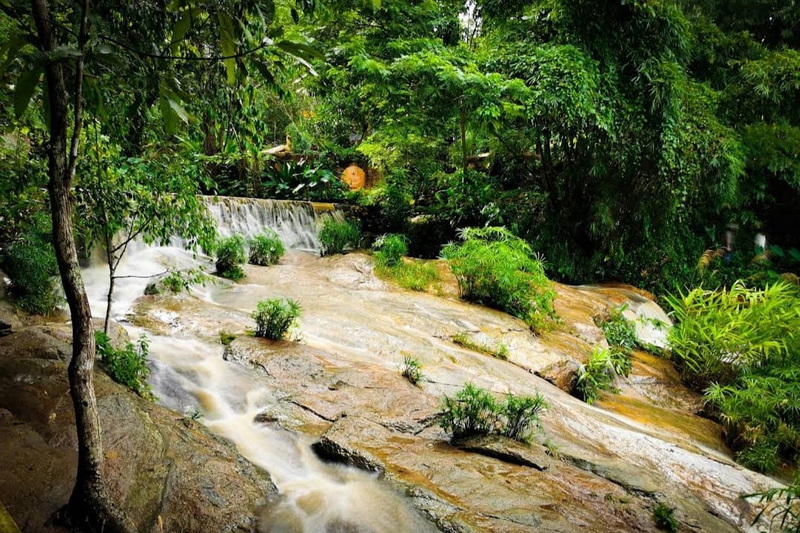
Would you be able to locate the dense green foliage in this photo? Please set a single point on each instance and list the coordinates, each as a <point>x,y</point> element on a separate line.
<point>266,249</point>
<point>474,411</point>
<point>30,264</point>
<point>741,347</point>
<point>336,236</point>
<point>495,268</point>
<point>275,317</point>
<point>230,255</point>
<point>127,365</point>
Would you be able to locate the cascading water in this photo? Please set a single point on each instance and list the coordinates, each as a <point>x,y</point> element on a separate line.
<point>295,222</point>
<point>189,373</point>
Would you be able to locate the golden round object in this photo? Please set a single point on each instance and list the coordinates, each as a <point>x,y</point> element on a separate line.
<point>354,177</point>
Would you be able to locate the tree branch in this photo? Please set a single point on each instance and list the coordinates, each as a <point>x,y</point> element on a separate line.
<point>141,53</point>
<point>83,38</point>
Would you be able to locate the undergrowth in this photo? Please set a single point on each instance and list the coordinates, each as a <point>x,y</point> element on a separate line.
<point>411,369</point>
<point>599,373</point>
<point>231,255</point>
<point>31,265</point>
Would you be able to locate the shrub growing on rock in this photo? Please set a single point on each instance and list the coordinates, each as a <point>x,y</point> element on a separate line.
<point>390,249</point>
<point>596,375</point>
<point>474,411</point>
<point>128,365</point>
<point>266,249</point>
<point>275,317</point>
<point>335,236</point>
<point>231,255</point>
<point>495,268</point>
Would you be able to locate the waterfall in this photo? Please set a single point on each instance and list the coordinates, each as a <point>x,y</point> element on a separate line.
<point>296,223</point>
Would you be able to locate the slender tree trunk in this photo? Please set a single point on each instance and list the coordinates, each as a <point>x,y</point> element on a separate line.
<point>109,297</point>
<point>89,507</point>
<point>463,124</point>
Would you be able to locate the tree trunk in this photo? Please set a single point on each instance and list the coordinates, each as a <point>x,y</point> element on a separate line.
<point>89,507</point>
<point>109,297</point>
<point>463,127</point>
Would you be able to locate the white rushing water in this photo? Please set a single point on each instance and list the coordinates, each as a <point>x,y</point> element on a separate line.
<point>189,374</point>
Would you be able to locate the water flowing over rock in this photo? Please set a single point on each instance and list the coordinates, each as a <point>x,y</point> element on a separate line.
<point>349,444</point>
<point>296,223</point>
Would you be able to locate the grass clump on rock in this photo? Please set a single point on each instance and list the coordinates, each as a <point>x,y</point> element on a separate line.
<point>275,317</point>
<point>498,269</point>
<point>230,254</point>
<point>411,369</point>
<point>410,274</point>
<point>266,249</point>
<point>475,412</point>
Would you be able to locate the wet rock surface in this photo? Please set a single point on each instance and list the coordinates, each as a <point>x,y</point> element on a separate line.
<point>337,384</point>
<point>158,464</point>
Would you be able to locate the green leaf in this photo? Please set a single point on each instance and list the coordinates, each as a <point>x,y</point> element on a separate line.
<point>12,48</point>
<point>179,110</point>
<point>23,92</point>
<point>226,38</point>
<point>182,26</point>
<point>300,50</point>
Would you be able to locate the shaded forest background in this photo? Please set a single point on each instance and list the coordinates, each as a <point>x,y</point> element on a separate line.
<point>621,139</point>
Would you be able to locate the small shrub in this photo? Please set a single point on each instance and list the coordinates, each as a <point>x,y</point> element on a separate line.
<point>463,339</point>
<point>335,236</point>
<point>128,365</point>
<point>226,338</point>
<point>495,268</point>
<point>664,518</point>
<point>411,369</point>
<point>231,255</point>
<point>275,317</point>
<point>522,415</point>
<point>390,249</point>
<point>619,330</point>
<point>596,375</point>
<point>266,249</point>
<point>474,411</point>
<point>31,265</point>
